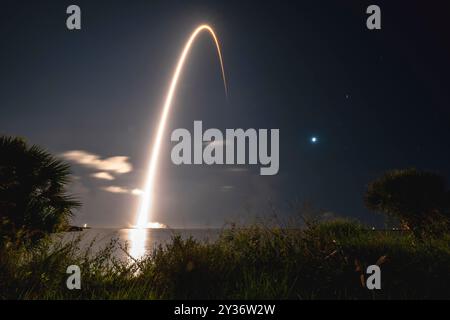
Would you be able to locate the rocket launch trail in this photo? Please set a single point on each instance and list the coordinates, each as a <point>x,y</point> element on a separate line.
<point>145,206</point>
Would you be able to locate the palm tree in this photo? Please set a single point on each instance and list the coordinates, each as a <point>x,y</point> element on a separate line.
<point>33,197</point>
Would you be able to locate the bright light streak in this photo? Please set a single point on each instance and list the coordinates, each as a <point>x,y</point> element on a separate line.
<point>137,238</point>
<point>147,196</point>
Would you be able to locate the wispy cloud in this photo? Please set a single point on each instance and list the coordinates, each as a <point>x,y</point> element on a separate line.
<point>103,175</point>
<point>118,164</point>
<point>136,192</point>
<point>117,189</point>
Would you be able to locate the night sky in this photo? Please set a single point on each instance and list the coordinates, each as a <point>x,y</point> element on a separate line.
<point>375,100</point>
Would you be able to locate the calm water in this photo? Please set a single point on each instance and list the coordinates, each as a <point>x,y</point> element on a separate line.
<point>139,241</point>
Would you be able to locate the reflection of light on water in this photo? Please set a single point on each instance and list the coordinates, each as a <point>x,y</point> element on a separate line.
<point>137,238</point>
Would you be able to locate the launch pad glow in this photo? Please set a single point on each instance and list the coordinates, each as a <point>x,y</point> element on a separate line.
<point>145,206</point>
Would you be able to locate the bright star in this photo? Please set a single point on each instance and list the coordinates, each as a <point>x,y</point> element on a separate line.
<point>314,139</point>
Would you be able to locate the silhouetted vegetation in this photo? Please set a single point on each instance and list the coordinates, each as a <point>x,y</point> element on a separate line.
<point>322,261</point>
<point>419,199</point>
<point>33,199</point>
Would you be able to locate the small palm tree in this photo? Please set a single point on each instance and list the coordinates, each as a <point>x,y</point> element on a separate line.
<point>33,197</point>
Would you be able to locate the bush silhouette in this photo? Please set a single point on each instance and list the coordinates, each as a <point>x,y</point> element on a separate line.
<point>33,199</point>
<point>419,199</point>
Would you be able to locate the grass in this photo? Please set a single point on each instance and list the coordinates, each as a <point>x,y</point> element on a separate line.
<point>322,261</point>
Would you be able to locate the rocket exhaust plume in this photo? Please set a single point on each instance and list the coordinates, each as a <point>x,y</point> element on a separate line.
<point>147,196</point>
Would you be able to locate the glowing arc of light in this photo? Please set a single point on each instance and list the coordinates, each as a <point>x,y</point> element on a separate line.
<point>147,195</point>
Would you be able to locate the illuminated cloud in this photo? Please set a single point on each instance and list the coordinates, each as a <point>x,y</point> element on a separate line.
<point>103,175</point>
<point>136,192</point>
<point>117,164</point>
<point>117,189</point>
<point>156,225</point>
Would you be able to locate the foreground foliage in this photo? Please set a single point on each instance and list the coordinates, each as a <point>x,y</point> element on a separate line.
<point>323,261</point>
<point>33,197</point>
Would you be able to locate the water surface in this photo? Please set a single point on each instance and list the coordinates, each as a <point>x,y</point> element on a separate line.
<point>138,242</point>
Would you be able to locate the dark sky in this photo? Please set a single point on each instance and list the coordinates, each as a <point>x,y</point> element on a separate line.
<point>377,100</point>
